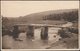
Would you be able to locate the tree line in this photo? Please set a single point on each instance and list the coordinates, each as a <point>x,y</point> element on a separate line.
<point>67,16</point>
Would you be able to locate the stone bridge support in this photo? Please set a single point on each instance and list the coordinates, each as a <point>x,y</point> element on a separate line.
<point>44,33</point>
<point>30,32</point>
<point>15,32</point>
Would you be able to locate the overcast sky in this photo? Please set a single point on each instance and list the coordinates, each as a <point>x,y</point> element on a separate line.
<point>22,8</point>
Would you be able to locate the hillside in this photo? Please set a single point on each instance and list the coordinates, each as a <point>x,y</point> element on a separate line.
<point>39,16</point>
<point>51,16</point>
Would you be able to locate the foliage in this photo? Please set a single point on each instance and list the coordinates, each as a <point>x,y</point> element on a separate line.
<point>67,16</point>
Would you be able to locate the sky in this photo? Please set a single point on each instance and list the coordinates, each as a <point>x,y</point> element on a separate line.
<point>22,8</point>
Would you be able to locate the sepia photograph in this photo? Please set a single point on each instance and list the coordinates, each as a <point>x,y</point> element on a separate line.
<point>0,30</point>
<point>40,25</point>
<point>39,0</point>
<point>36,50</point>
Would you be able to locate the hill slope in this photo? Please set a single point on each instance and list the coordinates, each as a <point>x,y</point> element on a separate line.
<point>39,16</point>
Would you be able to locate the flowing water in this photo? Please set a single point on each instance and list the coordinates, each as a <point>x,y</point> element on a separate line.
<point>35,43</point>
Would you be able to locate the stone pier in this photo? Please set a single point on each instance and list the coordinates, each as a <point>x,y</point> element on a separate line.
<point>15,31</point>
<point>44,33</point>
<point>30,32</point>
